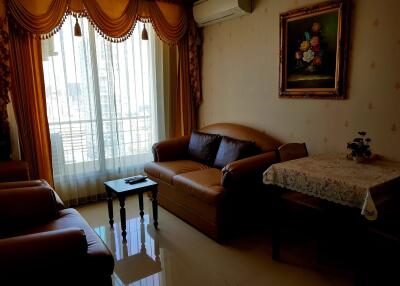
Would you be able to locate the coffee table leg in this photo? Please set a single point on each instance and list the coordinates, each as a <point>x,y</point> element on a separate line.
<point>110,208</point>
<point>155,207</point>
<point>141,205</point>
<point>123,216</point>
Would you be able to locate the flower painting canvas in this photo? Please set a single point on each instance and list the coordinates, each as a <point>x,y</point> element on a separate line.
<point>314,51</point>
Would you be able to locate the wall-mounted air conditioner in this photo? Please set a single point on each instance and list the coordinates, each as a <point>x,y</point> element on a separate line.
<point>208,12</point>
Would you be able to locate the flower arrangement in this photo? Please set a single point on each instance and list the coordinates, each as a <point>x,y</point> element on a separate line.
<point>309,56</point>
<point>359,147</point>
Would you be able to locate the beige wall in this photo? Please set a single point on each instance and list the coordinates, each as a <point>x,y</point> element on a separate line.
<point>240,80</point>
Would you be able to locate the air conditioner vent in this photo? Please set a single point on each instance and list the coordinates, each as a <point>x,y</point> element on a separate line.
<point>208,12</point>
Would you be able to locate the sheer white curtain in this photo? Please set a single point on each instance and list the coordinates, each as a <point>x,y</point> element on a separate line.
<point>101,106</point>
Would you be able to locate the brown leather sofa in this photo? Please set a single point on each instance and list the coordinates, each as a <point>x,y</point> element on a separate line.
<point>215,201</point>
<point>40,240</point>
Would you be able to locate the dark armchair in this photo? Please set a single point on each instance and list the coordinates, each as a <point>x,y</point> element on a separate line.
<point>40,239</point>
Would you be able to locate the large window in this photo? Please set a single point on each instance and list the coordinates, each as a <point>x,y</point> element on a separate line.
<point>100,104</point>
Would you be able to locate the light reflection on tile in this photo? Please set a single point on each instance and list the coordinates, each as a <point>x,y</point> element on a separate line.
<point>138,261</point>
<point>178,254</point>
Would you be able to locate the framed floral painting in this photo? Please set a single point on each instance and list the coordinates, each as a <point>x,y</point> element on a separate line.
<point>313,51</point>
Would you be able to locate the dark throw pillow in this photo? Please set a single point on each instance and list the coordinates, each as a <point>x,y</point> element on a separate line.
<point>203,147</point>
<point>232,149</point>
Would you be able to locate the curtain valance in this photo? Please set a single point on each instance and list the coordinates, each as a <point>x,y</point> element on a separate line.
<point>115,20</point>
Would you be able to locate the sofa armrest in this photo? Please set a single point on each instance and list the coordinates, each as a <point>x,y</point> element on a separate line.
<point>41,250</point>
<point>171,149</point>
<point>247,171</point>
<point>20,207</point>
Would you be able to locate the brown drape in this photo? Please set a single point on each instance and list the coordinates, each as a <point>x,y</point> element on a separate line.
<point>5,145</point>
<point>169,20</point>
<point>114,20</point>
<point>188,96</point>
<point>195,44</point>
<point>35,17</point>
<point>184,114</point>
<point>28,95</point>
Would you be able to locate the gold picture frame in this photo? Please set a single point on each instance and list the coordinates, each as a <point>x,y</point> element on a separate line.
<point>314,51</point>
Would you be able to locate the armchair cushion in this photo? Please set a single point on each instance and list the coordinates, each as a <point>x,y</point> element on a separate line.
<point>21,207</point>
<point>203,147</point>
<point>204,184</point>
<point>167,170</point>
<point>232,149</point>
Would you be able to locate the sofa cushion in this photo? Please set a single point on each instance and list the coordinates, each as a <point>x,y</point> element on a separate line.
<point>204,184</point>
<point>203,147</point>
<point>167,170</point>
<point>232,149</point>
<point>99,257</point>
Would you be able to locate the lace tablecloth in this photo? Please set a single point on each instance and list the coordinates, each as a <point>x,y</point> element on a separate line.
<point>334,178</point>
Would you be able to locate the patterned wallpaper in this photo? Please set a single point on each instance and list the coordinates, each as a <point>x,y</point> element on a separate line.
<point>240,75</point>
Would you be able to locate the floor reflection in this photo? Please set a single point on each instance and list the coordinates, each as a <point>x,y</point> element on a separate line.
<point>138,261</point>
<point>179,255</point>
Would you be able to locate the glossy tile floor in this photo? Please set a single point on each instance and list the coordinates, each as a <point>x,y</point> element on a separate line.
<point>178,254</point>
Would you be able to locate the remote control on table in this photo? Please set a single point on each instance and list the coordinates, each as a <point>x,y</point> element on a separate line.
<point>135,179</point>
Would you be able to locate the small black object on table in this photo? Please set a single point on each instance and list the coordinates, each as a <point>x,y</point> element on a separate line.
<point>121,189</point>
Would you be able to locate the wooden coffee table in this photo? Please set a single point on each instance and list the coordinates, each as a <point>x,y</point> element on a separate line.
<point>121,190</point>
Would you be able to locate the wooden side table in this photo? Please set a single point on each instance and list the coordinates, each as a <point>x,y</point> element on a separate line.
<point>121,190</point>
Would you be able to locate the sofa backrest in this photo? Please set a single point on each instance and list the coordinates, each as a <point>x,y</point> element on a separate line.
<point>263,141</point>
